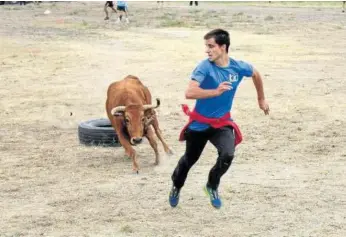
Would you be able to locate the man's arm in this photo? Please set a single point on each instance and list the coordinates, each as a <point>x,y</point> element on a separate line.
<point>257,80</point>
<point>195,92</point>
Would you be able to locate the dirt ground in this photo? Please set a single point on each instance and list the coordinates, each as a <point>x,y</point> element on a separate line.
<point>288,177</point>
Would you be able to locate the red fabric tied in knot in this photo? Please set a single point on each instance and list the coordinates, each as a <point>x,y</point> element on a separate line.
<point>186,109</point>
<point>214,122</point>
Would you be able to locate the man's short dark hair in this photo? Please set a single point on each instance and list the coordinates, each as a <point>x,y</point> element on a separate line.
<point>220,36</point>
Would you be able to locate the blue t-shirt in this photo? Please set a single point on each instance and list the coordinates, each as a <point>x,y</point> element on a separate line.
<point>209,75</point>
<point>121,4</point>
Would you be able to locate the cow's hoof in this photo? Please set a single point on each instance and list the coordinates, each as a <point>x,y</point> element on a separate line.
<point>170,152</point>
<point>136,171</point>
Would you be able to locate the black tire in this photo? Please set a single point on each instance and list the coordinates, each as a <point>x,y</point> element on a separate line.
<point>97,132</point>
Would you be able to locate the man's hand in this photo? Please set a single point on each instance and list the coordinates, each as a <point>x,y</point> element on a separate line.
<point>262,103</point>
<point>263,106</point>
<point>224,86</point>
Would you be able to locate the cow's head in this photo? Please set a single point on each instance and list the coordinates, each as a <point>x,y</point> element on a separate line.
<point>136,118</point>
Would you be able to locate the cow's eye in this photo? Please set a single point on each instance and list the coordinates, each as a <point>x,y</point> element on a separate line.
<point>127,120</point>
<point>143,119</point>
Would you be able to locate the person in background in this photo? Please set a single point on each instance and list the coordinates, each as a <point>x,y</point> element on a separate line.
<point>111,6</point>
<point>122,9</point>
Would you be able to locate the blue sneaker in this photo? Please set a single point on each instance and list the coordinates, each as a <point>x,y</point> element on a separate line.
<point>174,196</point>
<point>214,197</point>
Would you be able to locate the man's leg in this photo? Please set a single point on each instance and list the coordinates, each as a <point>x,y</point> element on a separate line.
<point>119,13</point>
<point>114,9</point>
<point>223,140</point>
<point>105,9</point>
<point>195,143</point>
<point>126,17</point>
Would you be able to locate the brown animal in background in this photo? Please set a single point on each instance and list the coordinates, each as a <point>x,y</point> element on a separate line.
<point>131,113</point>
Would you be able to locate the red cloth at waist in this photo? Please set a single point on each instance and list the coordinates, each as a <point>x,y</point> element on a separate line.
<point>214,122</point>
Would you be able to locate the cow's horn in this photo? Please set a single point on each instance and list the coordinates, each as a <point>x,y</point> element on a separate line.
<point>118,109</point>
<point>145,107</point>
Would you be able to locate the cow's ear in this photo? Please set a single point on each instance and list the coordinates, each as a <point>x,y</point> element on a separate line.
<point>117,114</point>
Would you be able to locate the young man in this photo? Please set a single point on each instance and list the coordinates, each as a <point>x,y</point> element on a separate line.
<point>213,85</point>
<point>122,8</point>
<point>111,6</point>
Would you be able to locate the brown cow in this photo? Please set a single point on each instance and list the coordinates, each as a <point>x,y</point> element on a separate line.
<point>131,113</point>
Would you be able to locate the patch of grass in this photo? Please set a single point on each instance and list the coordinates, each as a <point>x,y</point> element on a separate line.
<point>17,234</point>
<point>263,32</point>
<point>239,14</point>
<point>174,23</point>
<point>294,4</point>
<point>269,18</point>
<point>167,16</point>
<point>77,12</point>
<point>194,11</point>
<point>241,17</point>
<point>212,14</point>
<point>126,229</point>
<point>171,20</point>
<point>13,8</point>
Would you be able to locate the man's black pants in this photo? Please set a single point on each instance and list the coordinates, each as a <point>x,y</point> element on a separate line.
<point>221,138</point>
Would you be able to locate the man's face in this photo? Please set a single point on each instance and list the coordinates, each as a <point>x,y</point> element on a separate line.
<point>213,50</point>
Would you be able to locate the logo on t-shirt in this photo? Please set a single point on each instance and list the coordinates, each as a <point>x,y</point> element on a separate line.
<point>233,77</point>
